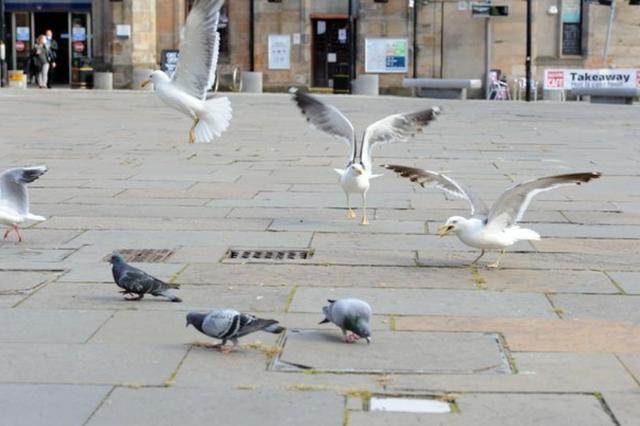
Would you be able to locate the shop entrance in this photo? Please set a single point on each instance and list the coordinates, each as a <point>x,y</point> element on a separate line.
<point>58,22</point>
<point>330,53</point>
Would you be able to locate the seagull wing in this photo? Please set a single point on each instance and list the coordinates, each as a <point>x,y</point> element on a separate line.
<point>326,118</point>
<point>196,69</point>
<point>509,208</point>
<point>13,187</point>
<point>394,128</point>
<point>444,183</point>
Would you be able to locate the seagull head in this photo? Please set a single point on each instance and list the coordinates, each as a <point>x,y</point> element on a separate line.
<point>357,169</point>
<point>454,224</point>
<point>156,77</point>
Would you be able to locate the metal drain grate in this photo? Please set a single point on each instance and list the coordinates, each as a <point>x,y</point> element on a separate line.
<point>143,255</point>
<point>267,255</point>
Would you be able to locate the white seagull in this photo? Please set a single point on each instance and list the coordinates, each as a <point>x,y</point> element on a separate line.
<point>355,178</point>
<point>494,228</point>
<point>186,90</point>
<point>14,198</point>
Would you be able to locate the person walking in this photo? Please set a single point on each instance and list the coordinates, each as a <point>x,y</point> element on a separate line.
<point>52,48</point>
<point>40,61</point>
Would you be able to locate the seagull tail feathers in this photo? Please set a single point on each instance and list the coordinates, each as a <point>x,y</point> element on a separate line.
<point>214,119</point>
<point>35,217</point>
<point>523,234</point>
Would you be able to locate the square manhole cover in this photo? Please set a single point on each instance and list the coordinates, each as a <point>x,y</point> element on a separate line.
<point>143,255</point>
<point>395,352</point>
<point>266,255</point>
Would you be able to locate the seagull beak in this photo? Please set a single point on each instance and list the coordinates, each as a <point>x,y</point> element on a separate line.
<point>145,83</point>
<point>444,230</point>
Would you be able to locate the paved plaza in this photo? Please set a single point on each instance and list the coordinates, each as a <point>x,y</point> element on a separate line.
<point>552,338</point>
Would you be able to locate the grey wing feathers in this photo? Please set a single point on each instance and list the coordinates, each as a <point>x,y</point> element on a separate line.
<point>199,49</point>
<point>442,182</point>
<point>326,118</point>
<point>509,208</point>
<point>13,189</point>
<point>230,324</point>
<point>138,281</point>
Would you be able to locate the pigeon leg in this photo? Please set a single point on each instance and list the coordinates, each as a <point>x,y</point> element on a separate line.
<point>192,131</point>
<point>496,265</point>
<point>133,299</point>
<point>477,258</point>
<point>364,221</point>
<point>350,213</point>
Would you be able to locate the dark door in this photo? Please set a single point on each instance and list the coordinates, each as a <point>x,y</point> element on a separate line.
<point>58,22</point>
<point>331,54</point>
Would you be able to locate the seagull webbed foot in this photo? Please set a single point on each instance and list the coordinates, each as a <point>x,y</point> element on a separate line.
<point>351,214</point>
<point>364,221</point>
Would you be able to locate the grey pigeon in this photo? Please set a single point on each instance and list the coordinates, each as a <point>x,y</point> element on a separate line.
<point>229,324</point>
<point>14,198</point>
<point>350,315</point>
<point>135,281</point>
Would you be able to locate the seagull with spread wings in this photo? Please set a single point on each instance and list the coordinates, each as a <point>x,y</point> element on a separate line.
<point>355,178</point>
<point>495,227</point>
<point>14,197</point>
<point>186,90</point>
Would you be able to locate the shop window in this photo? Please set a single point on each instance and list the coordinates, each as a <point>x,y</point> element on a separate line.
<point>571,18</point>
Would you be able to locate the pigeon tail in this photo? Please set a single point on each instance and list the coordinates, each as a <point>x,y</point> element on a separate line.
<point>169,294</point>
<point>274,328</point>
<point>213,120</point>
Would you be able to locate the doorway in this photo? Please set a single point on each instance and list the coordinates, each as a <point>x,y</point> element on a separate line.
<point>330,53</point>
<point>58,23</point>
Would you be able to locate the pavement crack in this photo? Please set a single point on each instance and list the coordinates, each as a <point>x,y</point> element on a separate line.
<point>100,404</point>
<point>113,313</point>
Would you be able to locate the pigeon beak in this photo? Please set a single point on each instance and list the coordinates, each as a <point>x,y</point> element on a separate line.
<point>444,230</point>
<point>187,325</point>
<point>368,340</point>
<point>145,83</point>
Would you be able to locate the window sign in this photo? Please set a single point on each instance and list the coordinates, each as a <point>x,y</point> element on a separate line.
<point>79,34</point>
<point>169,61</point>
<point>23,33</point>
<point>571,11</point>
<point>571,18</point>
<point>386,55</point>
<point>279,51</point>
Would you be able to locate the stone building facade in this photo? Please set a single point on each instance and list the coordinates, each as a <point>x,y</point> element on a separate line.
<point>311,38</point>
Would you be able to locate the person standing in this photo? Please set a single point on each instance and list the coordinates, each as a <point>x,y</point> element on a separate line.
<point>40,61</point>
<point>52,48</point>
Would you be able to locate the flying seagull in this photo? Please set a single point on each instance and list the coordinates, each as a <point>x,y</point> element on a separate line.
<point>14,198</point>
<point>135,281</point>
<point>186,90</point>
<point>229,324</point>
<point>495,227</point>
<point>355,178</point>
<point>351,315</point>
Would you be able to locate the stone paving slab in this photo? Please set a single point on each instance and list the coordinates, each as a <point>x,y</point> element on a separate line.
<point>547,281</point>
<point>99,210</point>
<point>628,281</point>
<point>49,405</point>
<point>266,407</point>
<point>131,363</point>
<point>620,308</point>
<point>492,409</point>
<point>135,223</point>
<point>427,353</point>
<point>429,302</point>
<point>340,226</point>
<point>625,406</point>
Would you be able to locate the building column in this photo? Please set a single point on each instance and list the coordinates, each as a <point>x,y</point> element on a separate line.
<point>138,51</point>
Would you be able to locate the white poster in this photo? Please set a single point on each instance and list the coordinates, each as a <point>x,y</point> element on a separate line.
<point>22,33</point>
<point>279,51</point>
<point>386,55</point>
<point>567,79</point>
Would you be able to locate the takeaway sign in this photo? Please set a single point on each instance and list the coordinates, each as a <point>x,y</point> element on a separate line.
<point>558,79</point>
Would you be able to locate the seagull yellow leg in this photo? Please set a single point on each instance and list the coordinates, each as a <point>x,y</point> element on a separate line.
<point>350,213</point>
<point>477,258</point>
<point>496,265</point>
<point>192,131</point>
<point>364,221</point>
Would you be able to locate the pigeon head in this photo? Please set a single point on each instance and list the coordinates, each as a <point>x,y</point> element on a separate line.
<point>156,77</point>
<point>454,224</point>
<point>196,319</point>
<point>116,259</point>
<point>359,326</point>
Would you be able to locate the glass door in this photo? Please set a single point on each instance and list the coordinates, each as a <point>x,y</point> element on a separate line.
<point>80,46</point>
<point>22,39</point>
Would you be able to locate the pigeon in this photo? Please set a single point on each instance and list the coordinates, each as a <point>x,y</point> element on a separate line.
<point>350,315</point>
<point>14,198</point>
<point>354,179</point>
<point>135,281</point>
<point>494,228</point>
<point>229,324</point>
<point>186,90</point>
